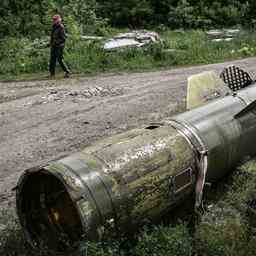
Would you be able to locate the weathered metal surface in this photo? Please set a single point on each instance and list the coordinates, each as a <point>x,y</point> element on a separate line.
<point>121,181</point>
<point>222,35</point>
<point>203,88</point>
<point>140,167</point>
<point>133,39</point>
<point>226,138</point>
<point>117,183</point>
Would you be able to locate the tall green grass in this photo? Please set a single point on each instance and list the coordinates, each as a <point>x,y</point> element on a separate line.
<point>22,56</point>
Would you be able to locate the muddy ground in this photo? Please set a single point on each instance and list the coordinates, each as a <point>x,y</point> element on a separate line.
<point>45,120</point>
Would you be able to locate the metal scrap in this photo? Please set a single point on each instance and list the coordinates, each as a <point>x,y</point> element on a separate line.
<point>136,38</point>
<point>92,38</point>
<point>222,35</point>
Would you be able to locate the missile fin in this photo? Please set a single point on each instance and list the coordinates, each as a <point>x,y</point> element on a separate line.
<point>248,108</point>
<point>203,88</point>
<point>236,78</point>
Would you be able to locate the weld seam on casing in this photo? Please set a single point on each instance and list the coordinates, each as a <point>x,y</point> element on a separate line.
<point>107,187</point>
<point>108,190</point>
<point>85,185</point>
<point>241,99</point>
<point>190,135</point>
<point>83,220</point>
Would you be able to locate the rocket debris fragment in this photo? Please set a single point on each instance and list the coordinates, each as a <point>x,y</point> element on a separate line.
<point>205,87</point>
<point>115,184</point>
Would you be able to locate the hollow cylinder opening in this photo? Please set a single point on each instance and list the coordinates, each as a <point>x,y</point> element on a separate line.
<point>47,213</point>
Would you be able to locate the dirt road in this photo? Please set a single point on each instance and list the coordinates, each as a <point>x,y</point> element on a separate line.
<point>45,120</point>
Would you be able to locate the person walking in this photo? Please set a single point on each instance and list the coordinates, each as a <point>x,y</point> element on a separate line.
<point>57,44</point>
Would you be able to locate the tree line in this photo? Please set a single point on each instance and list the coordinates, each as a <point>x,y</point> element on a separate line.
<point>32,18</point>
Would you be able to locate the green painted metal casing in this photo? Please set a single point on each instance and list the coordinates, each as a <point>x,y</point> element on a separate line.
<point>124,180</point>
<point>219,129</point>
<point>118,183</point>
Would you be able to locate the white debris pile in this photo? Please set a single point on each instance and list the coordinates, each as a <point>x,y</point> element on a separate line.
<point>92,38</point>
<point>137,38</point>
<point>224,35</point>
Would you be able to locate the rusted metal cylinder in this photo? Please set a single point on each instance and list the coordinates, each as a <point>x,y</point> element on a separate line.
<point>117,183</point>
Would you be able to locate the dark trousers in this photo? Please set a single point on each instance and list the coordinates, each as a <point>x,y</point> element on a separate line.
<point>57,55</point>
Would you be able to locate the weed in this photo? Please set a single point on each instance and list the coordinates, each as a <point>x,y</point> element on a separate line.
<point>165,241</point>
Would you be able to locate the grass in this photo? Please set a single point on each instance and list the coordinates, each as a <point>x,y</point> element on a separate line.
<point>227,228</point>
<point>24,58</point>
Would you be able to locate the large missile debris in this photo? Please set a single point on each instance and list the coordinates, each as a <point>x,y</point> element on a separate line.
<point>220,35</point>
<point>116,184</point>
<point>205,87</point>
<point>133,39</point>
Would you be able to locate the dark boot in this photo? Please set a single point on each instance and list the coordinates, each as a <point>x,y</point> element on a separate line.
<point>67,74</point>
<point>52,62</point>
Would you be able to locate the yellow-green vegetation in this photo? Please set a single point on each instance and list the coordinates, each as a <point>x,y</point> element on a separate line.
<point>19,57</point>
<point>227,228</point>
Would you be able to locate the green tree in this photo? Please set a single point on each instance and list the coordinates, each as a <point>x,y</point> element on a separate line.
<point>129,13</point>
<point>183,15</point>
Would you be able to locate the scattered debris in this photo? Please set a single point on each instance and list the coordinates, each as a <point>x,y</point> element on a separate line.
<point>173,50</point>
<point>222,39</point>
<point>114,44</point>
<point>137,38</point>
<point>215,33</point>
<point>232,32</point>
<point>75,95</point>
<point>92,38</point>
<point>54,92</point>
<point>224,35</point>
